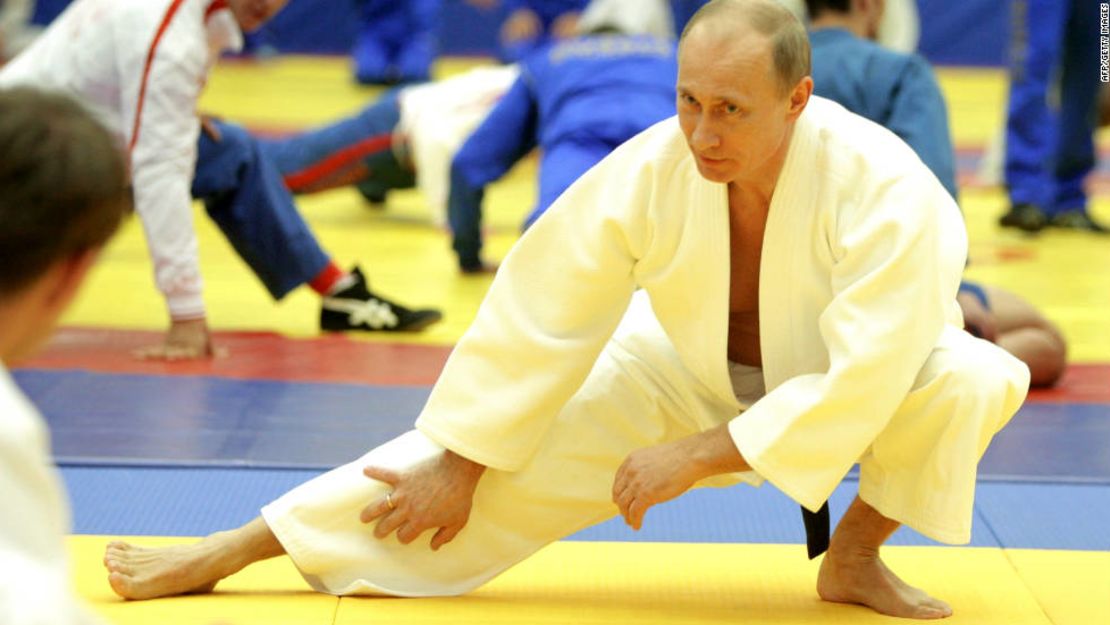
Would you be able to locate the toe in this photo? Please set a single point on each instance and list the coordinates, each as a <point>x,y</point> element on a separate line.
<point>120,584</point>
<point>117,566</point>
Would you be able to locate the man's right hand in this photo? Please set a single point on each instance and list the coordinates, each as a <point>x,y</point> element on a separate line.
<point>187,339</point>
<point>435,494</point>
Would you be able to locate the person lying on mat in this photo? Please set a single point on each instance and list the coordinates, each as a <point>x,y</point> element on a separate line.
<point>761,289</point>
<point>63,193</point>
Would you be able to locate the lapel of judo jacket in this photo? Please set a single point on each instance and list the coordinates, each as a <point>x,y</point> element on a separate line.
<point>690,293</point>
<point>697,282</point>
<point>783,331</point>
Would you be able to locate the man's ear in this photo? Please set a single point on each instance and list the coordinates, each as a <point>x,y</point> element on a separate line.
<point>68,276</point>
<point>799,97</point>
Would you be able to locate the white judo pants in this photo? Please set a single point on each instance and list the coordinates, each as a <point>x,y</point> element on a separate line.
<point>919,471</point>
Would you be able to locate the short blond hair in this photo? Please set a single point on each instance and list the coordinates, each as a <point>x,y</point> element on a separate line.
<point>789,42</point>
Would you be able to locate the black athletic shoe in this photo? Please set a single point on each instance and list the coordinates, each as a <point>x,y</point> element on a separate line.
<point>357,308</point>
<point>374,193</point>
<point>1077,220</point>
<point>1027,217</point>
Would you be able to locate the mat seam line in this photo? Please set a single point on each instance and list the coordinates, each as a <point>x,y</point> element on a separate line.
<point>1028,588</point>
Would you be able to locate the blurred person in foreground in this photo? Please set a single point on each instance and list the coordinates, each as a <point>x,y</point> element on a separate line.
<point>63,193</point>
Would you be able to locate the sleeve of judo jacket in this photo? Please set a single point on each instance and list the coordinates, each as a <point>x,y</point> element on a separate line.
<point>556,300</point>
<point>163,160</point>
<point>898,250</point>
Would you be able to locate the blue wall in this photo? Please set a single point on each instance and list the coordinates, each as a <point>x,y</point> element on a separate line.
<point>953,32</point>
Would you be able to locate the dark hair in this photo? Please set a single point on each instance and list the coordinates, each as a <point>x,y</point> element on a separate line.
<point>789,42</point>
<point>63,184</point>
<point>814,8</point>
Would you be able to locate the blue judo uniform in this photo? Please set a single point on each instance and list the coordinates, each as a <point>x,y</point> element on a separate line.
<point>396,41</point>
<point>576,101</point>
<point>895,90</point>
<point>1048,154</point>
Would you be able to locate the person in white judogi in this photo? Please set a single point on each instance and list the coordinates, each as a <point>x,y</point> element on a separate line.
<point>63,193</point>
<point>797,268</point>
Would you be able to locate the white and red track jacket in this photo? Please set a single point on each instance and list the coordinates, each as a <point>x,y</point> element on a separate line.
<point>140,65</point>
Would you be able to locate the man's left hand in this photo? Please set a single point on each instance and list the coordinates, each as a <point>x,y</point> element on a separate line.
<point>652,475</point>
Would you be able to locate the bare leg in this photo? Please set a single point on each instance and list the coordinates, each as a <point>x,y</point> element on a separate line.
<point>1041,350</point>
<point>1026,333</point>
<point>140,573</point>
<point>853,573</point>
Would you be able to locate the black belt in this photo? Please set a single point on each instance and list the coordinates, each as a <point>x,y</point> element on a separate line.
<point>817,530</point>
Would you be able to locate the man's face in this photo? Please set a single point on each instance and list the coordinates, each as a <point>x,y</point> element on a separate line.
<point>730,105</point>
<point>251,14</point>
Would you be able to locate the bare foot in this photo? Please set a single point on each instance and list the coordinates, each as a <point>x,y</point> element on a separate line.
<point>142,573</point>
<point>861,577</point>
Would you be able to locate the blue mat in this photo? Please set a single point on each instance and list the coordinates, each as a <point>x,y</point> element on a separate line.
<point>202,421</point>
<point>196,502</point>
<point>194,421</point>
<point>1053,442</point>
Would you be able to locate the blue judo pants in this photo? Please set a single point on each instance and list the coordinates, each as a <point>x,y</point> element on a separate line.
<point>244,194</point>
<point>245,184</point>
<point>396,41</point>
<point>361,150</point>
<point>1048,154</point>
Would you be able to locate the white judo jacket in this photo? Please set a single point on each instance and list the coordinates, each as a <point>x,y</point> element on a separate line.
<point>140,65</point>
<point>437,117</point>
<point>862,258</point>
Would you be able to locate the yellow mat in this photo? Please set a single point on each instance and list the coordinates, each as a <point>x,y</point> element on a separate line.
<point>1071,586</point>
<point>645,584</point>
<point>268,593</point>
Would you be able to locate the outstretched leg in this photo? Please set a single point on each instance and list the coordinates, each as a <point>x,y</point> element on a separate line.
<point>852,571</point>
<point>144,573</point>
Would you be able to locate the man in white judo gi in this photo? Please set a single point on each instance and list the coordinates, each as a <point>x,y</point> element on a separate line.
<point>63,193</point>
<point>797,267</point>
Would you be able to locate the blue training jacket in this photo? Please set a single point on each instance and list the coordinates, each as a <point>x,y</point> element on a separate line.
<point>576,100</point>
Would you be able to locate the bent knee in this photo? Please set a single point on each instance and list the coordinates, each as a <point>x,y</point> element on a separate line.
<point>980,372</point>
